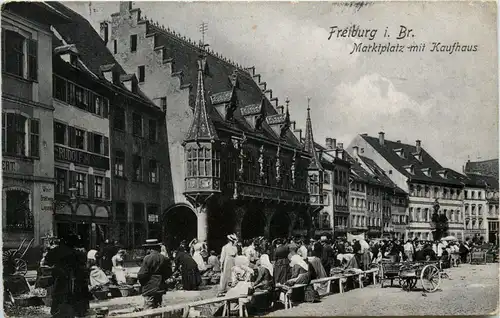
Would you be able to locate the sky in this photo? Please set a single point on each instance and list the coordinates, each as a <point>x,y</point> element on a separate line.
<point>448,101</point>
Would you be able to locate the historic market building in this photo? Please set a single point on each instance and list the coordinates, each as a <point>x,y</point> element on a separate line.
<point>236,165</point>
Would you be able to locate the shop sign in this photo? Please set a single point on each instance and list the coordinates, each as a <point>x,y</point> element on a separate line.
<point>47,198</point>
<point>153,218</point>
<point>81,157</point>
<point>9,166</point>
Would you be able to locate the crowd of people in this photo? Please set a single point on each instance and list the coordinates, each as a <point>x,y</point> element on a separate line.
<point>241,268</point>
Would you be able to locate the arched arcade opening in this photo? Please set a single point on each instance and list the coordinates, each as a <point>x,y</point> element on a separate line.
<point>180,223</point>
<point>253,224</point>
<point>280,225</point>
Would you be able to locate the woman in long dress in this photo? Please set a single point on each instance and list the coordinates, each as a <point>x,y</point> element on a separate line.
<point>228,253</point>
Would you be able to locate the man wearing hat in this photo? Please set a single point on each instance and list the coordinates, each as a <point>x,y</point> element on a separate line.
<point>155,269</point>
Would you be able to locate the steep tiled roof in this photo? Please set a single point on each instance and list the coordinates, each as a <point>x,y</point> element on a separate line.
<point>202,127</point>
<point>482,181</point>
<point>358,173</point>
<point>221,77</point>
<point>379,175</point>
<point>485,167</point>
<point>309,144</point>
<point>91,48</point>
<point>388,151</point>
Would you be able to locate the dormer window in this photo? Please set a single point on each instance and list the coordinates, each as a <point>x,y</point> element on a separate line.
<point>443,174</point>
<point>73,60</point>
<point>410,169</point>
<point>427,171</point>
<point>418,156</point>
<point>400,152</point>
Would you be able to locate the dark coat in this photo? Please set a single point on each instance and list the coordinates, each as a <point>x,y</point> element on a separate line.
<point>155,269</point>
<point>191,277</point>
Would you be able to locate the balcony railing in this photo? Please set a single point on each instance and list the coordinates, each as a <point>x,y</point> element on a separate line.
<point>271,193</point>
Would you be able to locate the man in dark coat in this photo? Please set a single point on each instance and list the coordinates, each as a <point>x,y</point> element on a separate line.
<point>184,262</point>
<point>155,269</point>
<point>70,296</point>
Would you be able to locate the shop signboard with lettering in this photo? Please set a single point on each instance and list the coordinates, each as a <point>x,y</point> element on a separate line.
<point>47,199</point>
<point>80,157</point>
<point>17,166</point>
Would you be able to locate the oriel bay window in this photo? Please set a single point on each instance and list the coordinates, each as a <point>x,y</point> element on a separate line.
<point>202,162</point>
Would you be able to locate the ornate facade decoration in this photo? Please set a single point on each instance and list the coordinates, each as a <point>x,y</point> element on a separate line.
<point>261,161</point>
<point>293,166</point>
<point>278,165</point>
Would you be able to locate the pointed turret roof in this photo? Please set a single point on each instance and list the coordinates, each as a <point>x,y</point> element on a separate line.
<point>202,127</point>
<point>309,143</point>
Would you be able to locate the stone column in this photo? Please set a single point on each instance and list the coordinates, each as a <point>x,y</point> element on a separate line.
<point>202,226</point>
<point>238,219</point>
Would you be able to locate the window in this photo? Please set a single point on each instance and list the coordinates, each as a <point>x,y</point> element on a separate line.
<point>153,171</point>
<point>133,43</point>
<point>80,97</point>
<point>20,56</point>
<point>79,139</point>
<point>59,133</point>
<point>81,180</point>
<point>137,165</point>
<point>97,143</point>
<point>18,213</point>
<point>119,163</point>
<point>115,47</point>
<point>152,130</point>
<point>142,73</point>
<point>119,119</point>
<point>61,176</point>
<point>98,187</point>
<point>137,124</point>
<point>14,137</point>
<point>121,211</point>
<point>34,138</point>
<point>163,103</point>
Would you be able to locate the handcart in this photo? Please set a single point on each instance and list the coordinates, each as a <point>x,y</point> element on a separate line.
<point>389,271</point>
<point>13,260</point>
<point>428,273</point>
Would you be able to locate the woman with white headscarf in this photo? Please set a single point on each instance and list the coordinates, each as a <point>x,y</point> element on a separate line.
<point>202,267</point>
<point>302,273</point>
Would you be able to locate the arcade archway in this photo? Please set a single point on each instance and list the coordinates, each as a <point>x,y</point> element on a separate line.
<point>303,224</point>
<point>279,225</point>
<point>221,222</point>
<point>180,223</point>
<point>253,224</point>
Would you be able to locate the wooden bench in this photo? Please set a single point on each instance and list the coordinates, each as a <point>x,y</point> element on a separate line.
<point>176,310</point>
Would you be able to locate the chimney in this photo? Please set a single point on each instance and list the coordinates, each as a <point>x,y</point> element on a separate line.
<point>125,6</point>
<point>355,150</point>
<point>105,32</point>
<point>362,150</point>
<point>418,146</point>
<point>293,125</point>
<point>398,141</point>
<point>329,143</point>
<point>381,138</point>
<point>334,143</point>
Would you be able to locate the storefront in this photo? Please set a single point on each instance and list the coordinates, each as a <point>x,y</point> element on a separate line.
<point>493,231</point>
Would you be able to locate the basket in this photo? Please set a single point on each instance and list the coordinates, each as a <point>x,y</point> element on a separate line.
<point>137,288</point>
<point>126,291</point>
<point>130,280</point>
<point>101,294</point>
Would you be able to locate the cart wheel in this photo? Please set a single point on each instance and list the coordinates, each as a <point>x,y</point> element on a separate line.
<point>21,266</point>
<point>430,277</point>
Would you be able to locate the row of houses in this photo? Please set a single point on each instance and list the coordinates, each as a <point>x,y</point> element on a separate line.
<point>135,131</point>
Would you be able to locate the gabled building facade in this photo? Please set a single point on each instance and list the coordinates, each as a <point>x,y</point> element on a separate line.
<point>425,181</point>
<point>481,202</point>
<point>110,163</point>
<point>27,119</point>
<point>235,164</point>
